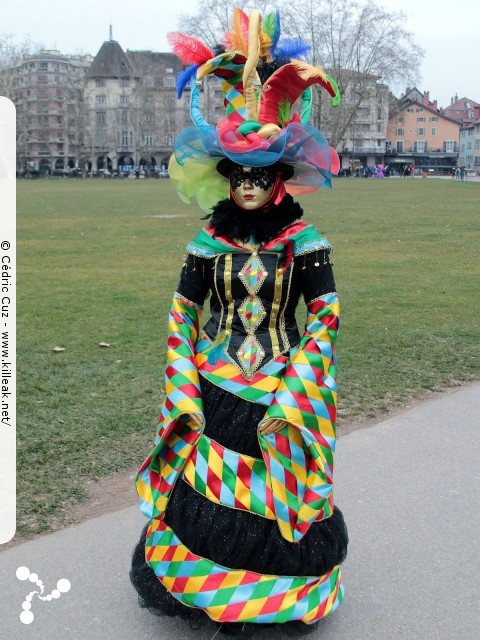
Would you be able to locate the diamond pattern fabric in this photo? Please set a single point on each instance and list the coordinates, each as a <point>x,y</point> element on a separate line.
<point>253,274</point>
<point>251,312</point>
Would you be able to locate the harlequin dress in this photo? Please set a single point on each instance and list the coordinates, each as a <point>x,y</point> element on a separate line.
<point>242,527</point>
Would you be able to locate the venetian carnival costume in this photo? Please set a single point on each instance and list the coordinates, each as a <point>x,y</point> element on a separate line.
<point>242,526</point>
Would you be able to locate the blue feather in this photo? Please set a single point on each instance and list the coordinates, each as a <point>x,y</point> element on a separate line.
<point>292,48</point>
<point>185,77</point>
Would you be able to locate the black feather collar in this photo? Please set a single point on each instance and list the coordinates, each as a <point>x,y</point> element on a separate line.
<point>232,222</point>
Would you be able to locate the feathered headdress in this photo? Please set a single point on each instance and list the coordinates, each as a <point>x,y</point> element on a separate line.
<point>262,78</point>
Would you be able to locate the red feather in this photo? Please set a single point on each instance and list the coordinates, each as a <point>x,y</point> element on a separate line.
<point>188,49</point>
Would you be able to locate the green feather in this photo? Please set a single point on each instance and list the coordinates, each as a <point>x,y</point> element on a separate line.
<point>271,26</point>
<point>284,109</point>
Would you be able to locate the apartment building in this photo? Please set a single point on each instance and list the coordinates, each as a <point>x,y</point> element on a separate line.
<point>49,102</point>
<point>462,110</point>
<point>469,154</point>
<point>419,134</point>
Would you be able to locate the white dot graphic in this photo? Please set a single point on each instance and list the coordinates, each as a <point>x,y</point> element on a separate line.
<point>26,617</point>
<point>23,573</point>
<point>63,585</point>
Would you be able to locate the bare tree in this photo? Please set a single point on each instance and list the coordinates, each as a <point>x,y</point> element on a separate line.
<point>360,44</point>
<point>11,54</point>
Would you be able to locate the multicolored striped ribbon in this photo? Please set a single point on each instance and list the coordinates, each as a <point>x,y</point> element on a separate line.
<point>236,594</point>
<point>235,480</point>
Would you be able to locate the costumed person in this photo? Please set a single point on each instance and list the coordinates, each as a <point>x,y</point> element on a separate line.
<point>242,527</point>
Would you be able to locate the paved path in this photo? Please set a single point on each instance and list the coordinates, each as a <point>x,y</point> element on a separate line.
<point>409,491</point>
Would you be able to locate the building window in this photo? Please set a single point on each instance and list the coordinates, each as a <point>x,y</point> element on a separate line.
<point>124,117</point>
<point>168,140</point>
<point>102,99</point>
<point>433,119</point>
<point>124,138</point>
<point>124,82</point>
<point>100,83</point>
<point>60,147</point>
<point>409,110</point>
<point>421,119</point>
<point>59,119</point>
<point>149,140</point>
<point>421,131</point>
<point>434,131</point>
<point>449,146</point>
<point>150,117</point>
<point>169,70</point>
<point>419,110</point>
<point>101,117</point>
<point>399,132</point>
<point>169,82</point>
<point>43,65</point>
<point>123,101</point>
<point>399,146</point>
<point>420,146</point>
<point>400,120</point>
<point>43,79</point>
<point>131,138</point>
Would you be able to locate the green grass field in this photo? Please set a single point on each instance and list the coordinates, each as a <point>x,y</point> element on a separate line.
<point>98,261</point>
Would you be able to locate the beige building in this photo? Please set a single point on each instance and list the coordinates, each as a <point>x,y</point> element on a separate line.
<point>133,114</point>
<point>420,135</point>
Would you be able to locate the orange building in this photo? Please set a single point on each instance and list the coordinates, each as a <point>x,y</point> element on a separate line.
<point>419,134</point>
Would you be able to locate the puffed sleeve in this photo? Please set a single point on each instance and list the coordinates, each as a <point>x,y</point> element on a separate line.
<point>177,433</point>
<point>300,457</point>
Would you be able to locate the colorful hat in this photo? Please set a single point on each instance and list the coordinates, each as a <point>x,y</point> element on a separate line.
<point>259,127</point>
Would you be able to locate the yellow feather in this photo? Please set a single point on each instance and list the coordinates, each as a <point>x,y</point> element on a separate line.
<point>265,44</point>
<point>308,71</point>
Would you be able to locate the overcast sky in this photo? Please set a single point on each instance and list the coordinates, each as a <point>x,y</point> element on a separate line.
<point>448,31</point>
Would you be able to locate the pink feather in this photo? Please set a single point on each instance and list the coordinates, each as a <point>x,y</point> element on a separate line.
<point>188,49</point>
